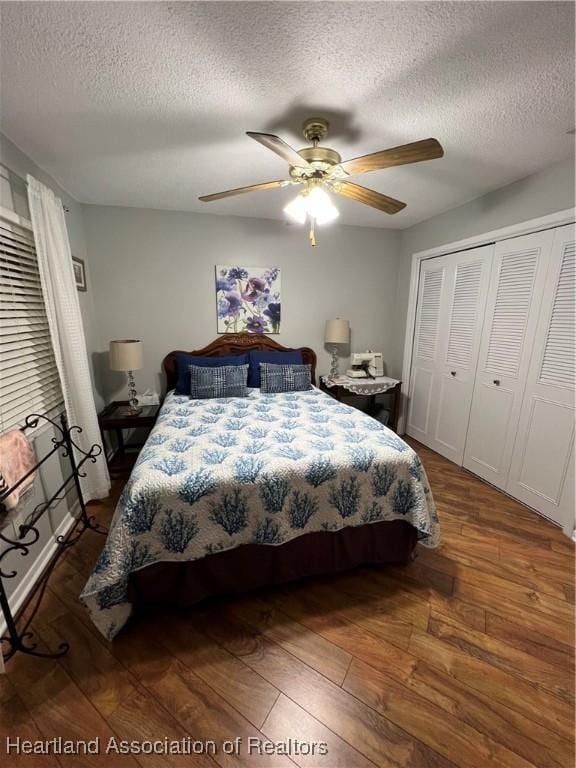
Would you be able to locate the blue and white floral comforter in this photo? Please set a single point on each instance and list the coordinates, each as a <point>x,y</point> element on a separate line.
<point>216,474</point>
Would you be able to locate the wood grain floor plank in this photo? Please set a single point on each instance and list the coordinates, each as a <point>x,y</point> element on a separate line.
<point>245,690</point>
<point>383,599</point>
<point>545,570</point>
<point>140,718</point>
<point>16,722</point>
<point>536,644</point>
<point>327,604</point>
<point>439,600</point>
<point>367,731</point>
<point>512,729</point>
<point>459,611</point>
<point>564,546</point>
<point>210,718</point>
<point>441,731</point>
<point>540,549</point>
<point>516,612</point>
<point>504,589</point>
<point>357,640</point>
<point>418,574</point>
<point>67,584</point>
<point>60,709</point>
<point>501,686</point>
<point>289,721</point>
<point>503,656</point>
<point>96,672</point>
<point>476,549</point>
<point>547,595</point>
<point>313,649</point>
<point>141,650</point>
<point>569,593</point>
<point>529,527</point>
<point>503,725</point>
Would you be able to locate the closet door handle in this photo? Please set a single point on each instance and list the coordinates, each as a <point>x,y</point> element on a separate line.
<point>497,382</point>
<point>452,373</point>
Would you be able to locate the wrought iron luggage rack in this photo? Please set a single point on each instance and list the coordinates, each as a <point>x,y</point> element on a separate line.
<point>20,639</point>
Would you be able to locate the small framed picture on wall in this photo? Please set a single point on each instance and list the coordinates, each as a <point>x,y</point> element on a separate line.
<point>79,273</point>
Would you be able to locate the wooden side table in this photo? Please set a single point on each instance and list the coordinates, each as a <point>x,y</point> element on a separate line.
<point>111,419</point>
<point>341,391</point>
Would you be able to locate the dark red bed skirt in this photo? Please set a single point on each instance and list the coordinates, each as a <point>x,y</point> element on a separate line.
<point>253,566</point>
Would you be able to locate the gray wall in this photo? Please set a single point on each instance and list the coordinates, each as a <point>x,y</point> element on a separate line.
<point>153,277</point>
<point>545,192</point>
<point>358,273</point>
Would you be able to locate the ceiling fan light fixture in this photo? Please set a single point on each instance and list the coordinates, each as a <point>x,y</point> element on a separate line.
<point>297,209</point>
<point>316,204</point>
<point>320,207</point>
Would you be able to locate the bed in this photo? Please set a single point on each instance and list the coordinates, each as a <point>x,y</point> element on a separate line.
<point>232,494</point>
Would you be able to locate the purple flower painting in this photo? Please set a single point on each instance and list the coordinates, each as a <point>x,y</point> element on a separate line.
<point>248,299</point>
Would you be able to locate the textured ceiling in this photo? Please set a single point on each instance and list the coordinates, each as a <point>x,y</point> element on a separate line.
<point>146,104</point>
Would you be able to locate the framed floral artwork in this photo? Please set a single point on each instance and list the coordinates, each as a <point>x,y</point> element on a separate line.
<point>248,299</point>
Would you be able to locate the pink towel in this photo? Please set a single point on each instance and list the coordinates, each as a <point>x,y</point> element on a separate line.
<point>16,460</point>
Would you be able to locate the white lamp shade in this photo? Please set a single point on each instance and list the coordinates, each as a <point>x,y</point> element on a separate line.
<point>126,355</point>
<point>337,331</point>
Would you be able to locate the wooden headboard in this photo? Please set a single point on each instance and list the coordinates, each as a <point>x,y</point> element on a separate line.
<point>230,343</point>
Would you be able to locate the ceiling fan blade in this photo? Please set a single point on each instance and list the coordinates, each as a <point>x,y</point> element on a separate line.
<point>242,190</point>
<point>368,197</point>
<point>427,149</point>
<point>278,145</point>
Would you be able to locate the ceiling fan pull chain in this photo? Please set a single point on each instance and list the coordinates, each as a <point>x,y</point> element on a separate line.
<point>312,234</point>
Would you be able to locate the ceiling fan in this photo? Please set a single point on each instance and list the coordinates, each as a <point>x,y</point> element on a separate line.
<point>318,168</point>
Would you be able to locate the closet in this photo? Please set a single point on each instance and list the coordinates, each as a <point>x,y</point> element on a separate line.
<point>492,378</point>
<point>450,310</point>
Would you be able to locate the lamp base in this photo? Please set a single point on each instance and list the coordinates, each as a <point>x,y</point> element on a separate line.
<point>133,409</point>
<point>334,364</point>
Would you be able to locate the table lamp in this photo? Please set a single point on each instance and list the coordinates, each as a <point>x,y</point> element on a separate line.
<point>126,355</point>
<point>337,332</point>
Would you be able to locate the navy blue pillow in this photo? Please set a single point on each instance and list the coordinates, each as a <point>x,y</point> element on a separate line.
<point>184,361</point>
<point>276,358</point>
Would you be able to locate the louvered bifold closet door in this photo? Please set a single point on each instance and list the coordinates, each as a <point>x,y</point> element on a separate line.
<point>467,279</point>
<point>425,352</point>
<point>514,299</point>
<point>451,299</point>
<point>29,379</point>
<point>542,470</point>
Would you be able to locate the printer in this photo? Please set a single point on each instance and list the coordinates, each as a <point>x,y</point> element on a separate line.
<point>366,365</point>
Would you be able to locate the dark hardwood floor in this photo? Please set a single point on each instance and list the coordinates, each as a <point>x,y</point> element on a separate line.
<point>463,658</point>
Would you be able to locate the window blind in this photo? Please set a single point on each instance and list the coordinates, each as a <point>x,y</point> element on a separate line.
<point>29,381</point>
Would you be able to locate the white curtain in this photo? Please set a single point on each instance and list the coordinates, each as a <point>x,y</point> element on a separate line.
<point>65,320</point>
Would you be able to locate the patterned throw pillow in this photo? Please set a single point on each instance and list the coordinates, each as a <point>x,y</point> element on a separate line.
<point>223,381</point>
<point>275,357</point>
<point>284,378</point>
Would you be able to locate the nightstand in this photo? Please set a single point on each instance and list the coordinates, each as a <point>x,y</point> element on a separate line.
<point>111,419</point>
<point>344,387</point>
